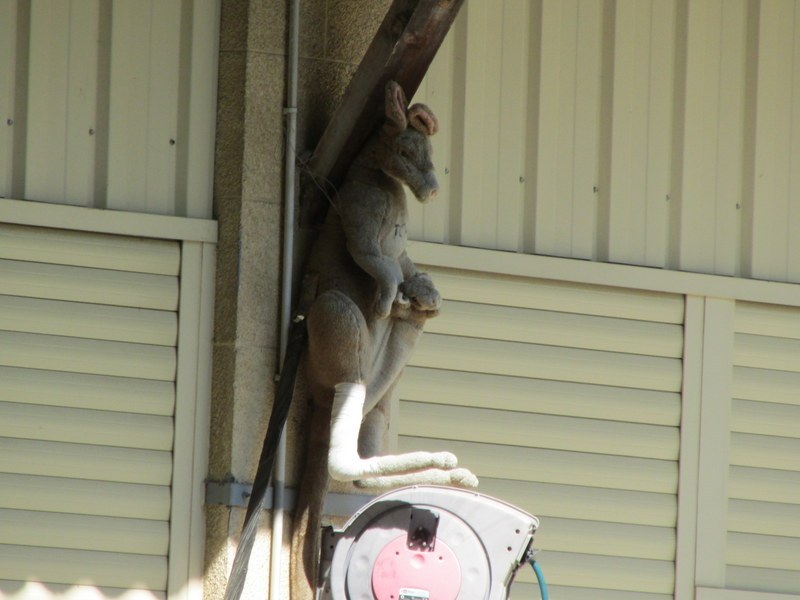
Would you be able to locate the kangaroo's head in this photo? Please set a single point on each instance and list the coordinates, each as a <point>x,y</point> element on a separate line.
<point>405,148</point>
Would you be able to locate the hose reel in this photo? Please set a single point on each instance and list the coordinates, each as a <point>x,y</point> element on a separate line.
<point>427,543</point>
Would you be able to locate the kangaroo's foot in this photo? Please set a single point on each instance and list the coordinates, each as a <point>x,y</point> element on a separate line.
<point>345,464</point>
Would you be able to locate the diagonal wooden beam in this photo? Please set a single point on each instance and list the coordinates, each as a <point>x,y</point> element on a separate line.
<point>402,50</point>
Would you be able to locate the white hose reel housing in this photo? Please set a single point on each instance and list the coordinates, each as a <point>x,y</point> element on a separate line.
<point>427,543</point>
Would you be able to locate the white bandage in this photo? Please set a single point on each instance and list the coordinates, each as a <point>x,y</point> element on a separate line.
<point>344,463</point>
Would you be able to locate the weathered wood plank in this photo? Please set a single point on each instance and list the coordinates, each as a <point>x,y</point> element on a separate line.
<point>402,50</point>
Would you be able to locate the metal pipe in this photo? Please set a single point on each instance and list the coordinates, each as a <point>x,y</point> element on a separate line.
<point>279,472</point>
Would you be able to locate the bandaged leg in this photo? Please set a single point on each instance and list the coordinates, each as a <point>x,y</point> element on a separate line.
<point>461,478</point>
<point>344,462</point>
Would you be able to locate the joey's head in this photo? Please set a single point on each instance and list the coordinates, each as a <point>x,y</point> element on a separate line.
<point>405,148</point>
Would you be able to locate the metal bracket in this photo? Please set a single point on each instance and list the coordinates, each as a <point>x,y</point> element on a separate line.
<point>422,526</point>
<point>237,494</point>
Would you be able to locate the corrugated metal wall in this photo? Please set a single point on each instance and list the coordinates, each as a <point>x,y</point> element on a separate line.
<point>565,400</point>
<point>88,361</point>
<point>663,133</point>
<point>763,521</point>
<point>109,104</point>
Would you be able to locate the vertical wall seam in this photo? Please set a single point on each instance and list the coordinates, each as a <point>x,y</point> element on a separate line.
<point>184,101</point>
<point>457,161</point>
<point>752,43</point>
<point>678,138</point>
<point>102,104</point>
<point>603,236</point>
<point>528,240</point>
<point>688,465</point>
<point>22,74</point>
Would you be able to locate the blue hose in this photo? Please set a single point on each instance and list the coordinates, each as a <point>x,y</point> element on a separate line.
<point>540,578</point>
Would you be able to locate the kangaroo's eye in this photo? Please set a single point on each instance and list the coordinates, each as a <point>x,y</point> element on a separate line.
<point>405,154</point>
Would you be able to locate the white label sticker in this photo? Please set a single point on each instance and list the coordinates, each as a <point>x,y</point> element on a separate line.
<point>413,594</point>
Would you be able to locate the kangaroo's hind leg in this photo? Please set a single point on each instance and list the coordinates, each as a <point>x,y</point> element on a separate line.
<point>340,363</point>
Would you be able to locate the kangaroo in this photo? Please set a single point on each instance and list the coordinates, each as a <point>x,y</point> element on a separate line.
<point>371,306</point>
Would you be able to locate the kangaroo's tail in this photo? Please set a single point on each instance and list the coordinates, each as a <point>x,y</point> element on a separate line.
<point>305,549</point>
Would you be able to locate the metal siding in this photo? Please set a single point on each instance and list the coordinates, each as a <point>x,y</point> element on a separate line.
<point>640,132</point>
<point>560,416</point>
<point>87,409</point>
<point>763,522</point>
<point>109,104</point>
<point>39,591</point>
<point>650,132</point>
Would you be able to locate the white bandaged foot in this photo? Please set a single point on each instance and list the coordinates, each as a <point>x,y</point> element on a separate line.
<point>344,463</point>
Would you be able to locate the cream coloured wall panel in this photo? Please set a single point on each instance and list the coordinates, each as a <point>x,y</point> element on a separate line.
<point>638,576</point>
<point>509,290</point>
<point>548,362</point>
<point>568,130</point>
<point>572,535</point>
<point>762,319</point>
<point>763,551</point>
<point>558,329</point>
<point>523,589</point>
<point>777,140</point>
<point>58,565</point>
<point>102,437</point>
<point>40,591</point>
<point>84,496</point>
<point>564,399</point>
<point>585,503</point>
<point>762,484</point>
<point>62,101</point>
<point>84,532</point>
<point>570,468</point>
<point>765,451</point>
<point>709,192</point>
<point>102,428</point>
<point>765,418</point>
<point>80,390</point>
<point>461,388</point>
<point>109,104</point>
<point>763,521</point>
<point>767,352</point>
<point>83,249</point>
<point>58,353</point>
<point>766,385</point>
<point>539,431</point>
<point>82,461</point>
<point>13,52</point>
<point>85,320</point>
<point>143,105</point>
<point>117,288</point>
<point>776,581</point>
<point>636,196</point>
<point>771,518</point>
<point>649,132</point>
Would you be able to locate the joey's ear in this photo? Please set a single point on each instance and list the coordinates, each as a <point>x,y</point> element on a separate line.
<point>396,107</point>
<point>422,119</point>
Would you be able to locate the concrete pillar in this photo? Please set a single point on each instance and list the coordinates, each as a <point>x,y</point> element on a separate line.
<point>248,196</point>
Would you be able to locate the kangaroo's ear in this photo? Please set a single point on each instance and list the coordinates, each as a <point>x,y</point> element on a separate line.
<point>396,107</point>
<point>422,119</point>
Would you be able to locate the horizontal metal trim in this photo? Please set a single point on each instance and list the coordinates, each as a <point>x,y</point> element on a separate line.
<point>236,494</point>
<point>605,274</point>
<point>704,593</point>
<point>79,218</point>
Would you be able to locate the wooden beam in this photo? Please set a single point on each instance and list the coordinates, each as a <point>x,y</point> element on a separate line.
<point>402,50</point>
